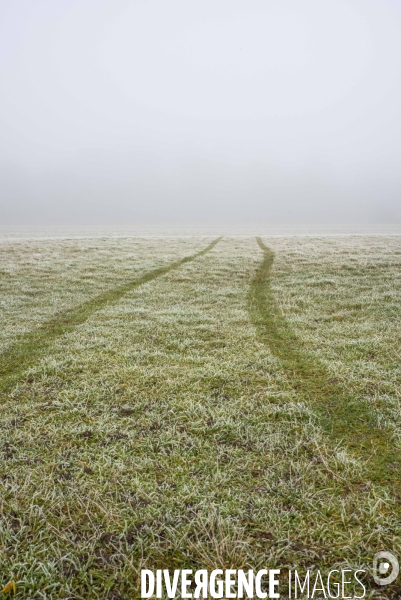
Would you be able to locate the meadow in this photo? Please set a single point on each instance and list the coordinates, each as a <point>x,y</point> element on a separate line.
<point>199,402</point>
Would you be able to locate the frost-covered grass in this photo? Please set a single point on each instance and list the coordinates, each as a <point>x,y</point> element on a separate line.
<point>39,279</point>
<point>164,432</point>
<point>342,296</point>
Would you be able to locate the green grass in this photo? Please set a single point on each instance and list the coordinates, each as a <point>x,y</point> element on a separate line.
<point>33,344</point>
<point>180,426</point>
<point>345,416</point>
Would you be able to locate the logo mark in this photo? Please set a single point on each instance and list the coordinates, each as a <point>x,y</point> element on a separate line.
<point>381,566</point>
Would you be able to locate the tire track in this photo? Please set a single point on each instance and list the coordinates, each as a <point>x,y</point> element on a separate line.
<point>34,343</point>
<point>343,416</point>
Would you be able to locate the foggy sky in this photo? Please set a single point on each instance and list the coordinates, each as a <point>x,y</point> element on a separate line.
<point>129,111</point>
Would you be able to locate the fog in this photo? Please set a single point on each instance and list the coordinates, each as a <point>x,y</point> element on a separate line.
<point>134,111</point>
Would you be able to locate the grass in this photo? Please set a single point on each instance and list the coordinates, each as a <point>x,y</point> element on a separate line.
<point>345,416</point>
<point>180,426</point>
<point>34,343</point>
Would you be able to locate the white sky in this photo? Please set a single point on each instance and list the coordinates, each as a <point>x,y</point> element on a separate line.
<point>126,111</point>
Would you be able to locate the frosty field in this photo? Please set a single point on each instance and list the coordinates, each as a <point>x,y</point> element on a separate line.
<point>237,409</point>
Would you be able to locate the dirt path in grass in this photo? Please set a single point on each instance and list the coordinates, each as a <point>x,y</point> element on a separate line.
<point>34,343</point>
<point>342,415</point>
